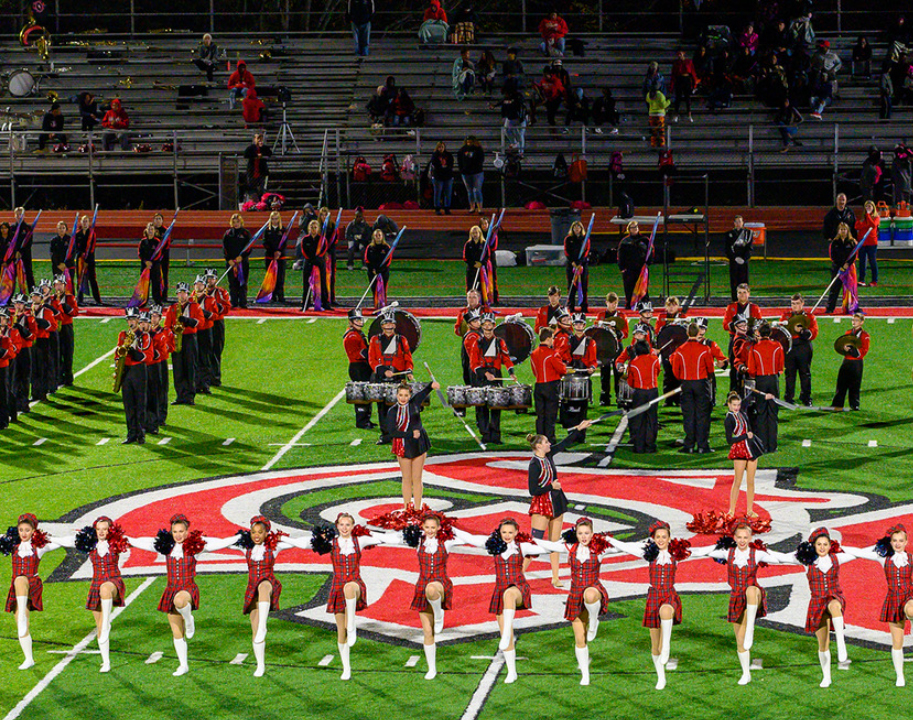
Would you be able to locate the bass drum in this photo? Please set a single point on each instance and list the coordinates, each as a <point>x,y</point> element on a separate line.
<point>407,325</point>
<point>670,339</point>
<point>607,347</point>
<point>518,336</point>
<point>782,336</point>
<point>21,83</point>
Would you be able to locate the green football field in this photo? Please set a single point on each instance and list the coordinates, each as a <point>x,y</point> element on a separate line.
<point>279,375</point>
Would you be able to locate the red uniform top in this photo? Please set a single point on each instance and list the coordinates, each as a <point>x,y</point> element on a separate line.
<point>741,349</point>
<point>7,348</point>
<point>563,346</point>
<point>32,325</point>
<point>715,350</point>
<point>665,318</point>
<point>863,348</point>
<point>68,309</point>
<point>462,313</point>
<point>223,302</point>
<point>392,352</point>
<point>582,351</point>
<point>162,344</point>
<point>643,371</point>
<point>45,323</point>
<point>733,309</point>
<point>812,322</point>
<point>766,357</point>
<point>57,309</point>
<point>17,342</point>
<point>545,315</point>
<point>356,346</point>
<point>209,311</point>
<point>191,311</point>
<point>692,361</point>
<point>616,319</point>
<point>142,345</point>
<point>489,353</point>
<point>546,364</point>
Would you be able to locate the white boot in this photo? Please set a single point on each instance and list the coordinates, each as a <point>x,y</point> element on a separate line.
<point>22,615</point>
<point>431,659</point>
<point>25,643</point>
<point>825,659</point>
<point>438,615</point>
<point>583,662</point>
<point>510,659</point>
<point>660,672</point>
<point>189,625</point>
<point>344,656</point>
<point>745,662</point>
<point>106,606</point>
<point>180,647</point>
<point>839,633</point>
<point>751,612</point>
<point>104,647</point>
<point>262,616</point>
<point>666,648</point>
<point>351,636</point>
<point>260,655</point>
<point>592,609</point>
<point>897,659</point>
<point>507,628</point>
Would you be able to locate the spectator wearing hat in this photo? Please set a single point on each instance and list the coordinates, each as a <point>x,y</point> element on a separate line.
<point>827,61</point>
<point>360,13</point>
<point>207,55</point>
<point>553,30</point>
<point>52,128</point>
<point>117,122</point>
<point>239,83</point>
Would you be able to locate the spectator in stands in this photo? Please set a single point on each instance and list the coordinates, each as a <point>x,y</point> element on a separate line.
<point>378,105</point>
<point>117,122</point>
<point>360,13</point>
<point>556,67</point>
<point>902,173</point>
<point>773,87</point>
<point>386,226</point>
<point>514,72</point>
<point>703,63</point>
<point>776,37</point>
<point>358,236</point>
<point>239,83</point>
<point>207,55</point>
<point>486,69</point>
<point>654,80</point>
<point>513,112</point>
<point>837,215</point>
<point>871,180</point>
<point>434,25</point>
<point>862,57</point>
<point>822,94</point>
<point>401,110</point>
<point>657,104</point>
<point>257,166</point>
<point>787,119</point>
<point>52,128</point>
<point>604,112</point>
<point>442,178</point>
<point>464,25</point>
<point>684,81</point>
<point>464,75</point>
<point>801,34</point>
<point>471,161</point>
<point>578,108</point>
<point>827,61</point>
<point>721,89</point>
<point>886,93</point>
<point>89,112</point>
<point>549,91</point>
<point>553,30</point>
<point>744,72</point>
<point>749,39</point>
<point>252,108</point>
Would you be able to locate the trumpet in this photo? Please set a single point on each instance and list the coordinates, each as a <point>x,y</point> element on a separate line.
<point>120,359</point>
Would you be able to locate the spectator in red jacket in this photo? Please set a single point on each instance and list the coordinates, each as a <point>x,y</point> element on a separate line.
<point>434,11</point>
<point>684,80</point>
<point>240,82</point>
<point>549,92</point>
<point>553,30</point>
<point>252,108</point>
<point>116,119</point>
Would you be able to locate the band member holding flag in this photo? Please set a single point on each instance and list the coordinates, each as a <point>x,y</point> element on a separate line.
<point>235,246</point>
<point>635,252</point>
<point>150,269</point>
<point>843,266</point>
<point>314,249</point>
<point>85,265</point>
<point>356,347</point>
<point>849,377</point>
<point>158,222</point>
<point>490,260</point>
<point>378,257</point>
<point>472,256</point>
<point>23,249</point>
<point>274,240</point>
<point>331,238</point>
<point>799,357</point>
<point>61,251</point>
<point>642,286</point>
<point>186,315</point>
<point>223,307</point>
<point>577,251</point>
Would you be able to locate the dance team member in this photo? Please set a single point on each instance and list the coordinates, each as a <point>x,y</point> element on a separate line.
<point>410,441</point>
<point>744,451</point>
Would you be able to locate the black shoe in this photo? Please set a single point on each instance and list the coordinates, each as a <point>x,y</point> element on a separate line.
<point>437,211</point>
<point>704,451</point>
<point>686,450</point>
<point>128,441</point>
<point>854,408</point>
<point>215,383</point>
<point>152,431</point>
<point>204,391</point>
<point>141,441</point>
<point>178,402</point>
<point>446,211</point>
<point>495,441</point>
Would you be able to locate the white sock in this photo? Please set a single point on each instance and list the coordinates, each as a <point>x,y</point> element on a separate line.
<point>841,639</point>
<point>510,659</point>
<point>104,647</point>
<point>507,628</point>
<point>431,659</point>
<point>25,642</point>
<point>751,612</point>
<point>22,618</point>
<point>350,621</point>
<point>664,651</point>
<point>897,659</point>
<point>825,659</point>
<point>262,616</point>
<point>260,655</point>
<point>660,672</point>
<point>438,615</point>
<point>180,647</point>
<point>344,656</point>
<point>592,610</point>
<point>106,606</point>
<point>189,625</point>
<point>583,662</point>
<point>745,662</point>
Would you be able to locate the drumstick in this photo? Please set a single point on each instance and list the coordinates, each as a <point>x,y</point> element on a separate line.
<point>455,414</point>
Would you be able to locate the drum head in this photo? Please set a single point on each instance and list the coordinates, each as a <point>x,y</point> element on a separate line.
<point>607,348</point>
<point>782,336</point>
<point>21,83</point>
<point>407,325</point>
<point>518,337</point>
<point>672,337</point>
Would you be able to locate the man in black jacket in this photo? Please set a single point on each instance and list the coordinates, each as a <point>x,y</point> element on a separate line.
<point>358,235</point>
<point>257,167</point>
<point>52,125</point>
<point>738,250</point>
<point>840,213</point>
<point>360,13</point>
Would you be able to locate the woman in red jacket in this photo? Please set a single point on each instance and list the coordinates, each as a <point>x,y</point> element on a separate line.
<point>116,119</point>
<point>553,30</point>
<point>868,224</point>
<point>239,84</point>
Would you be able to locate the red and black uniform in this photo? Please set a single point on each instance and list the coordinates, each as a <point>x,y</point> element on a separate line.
<point>548,369</point>
<point>849,377</point>
<point>346,569</point>
<point>643,373</point>
<point>234,245</point>
<point>670,382</point>
<point>53,377</point>
<point>157,378</point>
<point>900,590</point>
<point>472,256</point>
<point>401,423</point>
<point>43,361</point>
<point>260,571</point>
<point>65,339</point>
<point>563,344</point>
<point>739,352</point>
<point>26,567</point>
<point>765,363</point>
<point>184,362</point>
<point>204,342</point>
<point>22,369</point>
<point>432,567</point>
<point>577,252</point>
<point>582,354</point>
<point>8,348</point>
<point>546,500</point>
<point>617,323</point>
<point>470,340</point>
<point>749,309</point>
<point>692,364</point>
<point>134,382</point>
<point>741,447</point>
<point>742,577</point>
<point>181,578</point>
<point>223,308</point>
<point>584,574</point>
<point>509,573</point>
<point>105,568</point>
<point>799,359</point>
<point>356,347</point>
<point>824,588</point>
<point>388,353</point>
<point>547,316</point>
<point>146,253</point>
<point>487,355</point>
<point>458,328</point>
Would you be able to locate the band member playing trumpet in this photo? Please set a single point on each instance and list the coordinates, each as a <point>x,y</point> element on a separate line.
<point>183,317</point>
<point>738,250</point>
<point>391,360</point>
<point>854,345</point>
<point>486,358</point>
<point>41,356</point>
<point>548,370</point>
<point>157,386</point>
<point>130,361</point>
<point>66,340</point>
<point>804,329</point>
<point>209,311</point>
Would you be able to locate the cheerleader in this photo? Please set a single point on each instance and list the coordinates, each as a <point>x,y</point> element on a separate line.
<point>823,558</point>
<point>512,591</point>
<point>27,544</point>
<point>588,598</point>
<point>375,254</point>
<point>410,441</point>
<point>664,606</point>
<point>745,449</point>
<point>180,546</point>
<point>549,503</point>
<point>891,552</point>
<point>748,600</point>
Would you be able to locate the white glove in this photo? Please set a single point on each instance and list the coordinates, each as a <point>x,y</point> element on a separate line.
<point>739,261</point>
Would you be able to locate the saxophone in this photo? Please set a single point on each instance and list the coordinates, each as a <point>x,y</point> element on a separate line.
<point>120,359</point>
<point>178,330</point>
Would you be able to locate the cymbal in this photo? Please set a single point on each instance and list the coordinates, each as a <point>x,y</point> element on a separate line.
<point>795,323</point>
<point>843,341</point>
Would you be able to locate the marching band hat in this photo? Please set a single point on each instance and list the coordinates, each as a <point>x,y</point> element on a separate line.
<point>644,306</point>
<point>144,316</point>
<point>182,287</point>
<point>642,328</point>
<point>388,319</point>
<point>579,318</point>
<point>210,272</point>
<point>702,322</point>
<point>740,320</point>
<point>44,283</point>
<point>199,279</point>
<point>562,315</point>
<point>60,279</point>
<point>488,317</point>
<point>472,316</point>
<point>155,310</point>
<point>4,312</point>
<point>355,314</point>
<point>130,312</point>
<point>20,298</point>
<point>35,291</point>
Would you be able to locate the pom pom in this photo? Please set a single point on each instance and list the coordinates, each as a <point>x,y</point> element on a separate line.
<point>164,542</point>
<point>273,538</point>
<point>86,539</point>
<point>244,541</point>
<point>805,553</point>
<point>412,535</point>
<point>599,542</point>
<point>10,541</point>
<point>883,547</point>
<point>714,523</point>
<point>761,546</point>
<point>726,542</point>
<point>322,540</point>
<point>40,539</point>
<point>679,549</point>
<point>835,547</point>
<point>523,537</point>
<point>651,551</point>
<point>570,535</point>
<point>194,543</point>
<point>360,531</point>
<point>117,540</point>
<point>495,545</point>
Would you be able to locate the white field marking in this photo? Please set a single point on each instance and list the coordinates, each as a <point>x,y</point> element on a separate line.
<point>107,320</point>
<point>579,507</point>
<point>40,441</point>
<point>891,320</point>
<point>103,441</point>
<point>67,652</point>
<point>164,441</point>
<point>154,658</point>
<point>300,434</point>
<point>311,321</point>
<point>412,661</point>
<point>291,444</point>
<point>836,320</point>
<point>239,659</point>
<point>873,443</point>
<point>325,660</point>
<point>613,443</point>
<point>356,442</point>
<point>228,441</point>
<point>489,678</point>
<point>806,443</point>
<point>77,648</point>
<point>261,321</point>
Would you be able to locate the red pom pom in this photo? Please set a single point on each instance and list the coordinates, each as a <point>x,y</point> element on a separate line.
<point>835,547</point>
<point>273,538</point>
<point>360,531</point>
<point>522,537</point>
<point>599,542</point>
<point>679,549</point>
<point>193,543</point>
<point>39,539</point>
<point>400,519</point>
<point>715,523</point>
<point>759,545</point>
<point>117,540</point>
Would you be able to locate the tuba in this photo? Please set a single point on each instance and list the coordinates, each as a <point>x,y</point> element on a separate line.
<point>120,359</point>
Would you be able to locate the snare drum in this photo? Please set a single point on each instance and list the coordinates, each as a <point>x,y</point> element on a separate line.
<point>521,397</point>
<point>574,389</point>
<point>497,398</point>
<point>476,396</point>
<point>625,394</point>
<point>456,395</point>
<point>355,393</point>
<point>390,390</point>
<point>375,392</point>
<point>21,83</point>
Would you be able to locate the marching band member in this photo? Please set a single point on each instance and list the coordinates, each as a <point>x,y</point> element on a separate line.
<point>409,440</point>
<point>60,263</point>
<point>577,252</point>
<point>642,374</point>
<point>563,330</point>
<point>739,350</point>
<point>548,369</point>
<point>840,251</point>
<point>272,239</point>
<point>157,371</point>
<point>472,317</point>
<point>719,359</point>
<point>9,344</point>
<point>486,356</point>
<point>314,252</point>
<point>323,215</point>
<point>799,357</point>
<point>742,307</point>
<point>207,305</point>
<point>692,364</point>
<point>582,350</point>
<point>133,347</point>
<point>356,347</point>
<point>765,363</point>
<point>24,321</point>
<point>66,341</point>
<point>849,377</point>
<point>234,242</point>
<point>473,302</point>
<point>390,359</point>
<point>186,315</point>
<point>617,322</point>
<point>375,254</point>
<point>223,307</point>
<point>738,250</point>
<point>645,318</point>
<point>158,222</point>
<point>24,245</point>
<point>147,261</point>
<point>472,256</point>
<point>548,314</point>
<point>41,355</point>
<point>484,222</point>
<point>53,347</point>
<point>85,248</point>
<point>744,451</point>
<point>673,312</point>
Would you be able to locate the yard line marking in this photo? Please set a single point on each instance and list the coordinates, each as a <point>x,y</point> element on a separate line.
<point>67,652</point>
<point>103,441</point>
<point>579,507</point>
<point>261,321</point>
<point>107,320</point>
<point>836,320</point>
<point>228,441</point>
<point>412,661</point>
<point>40,441</point>
<point>613,443</point>
<point>489,678</point>
<point>101,358</point>
<point>239,659</point>
<point>311,321</point>
<point>891,321</point>
<point>806,443</point>
<point>164,441</point>
<point>154,658</point>
<point>325,660</point>
<point>356,442</point>
<point>292,444</point>
<point>873,443</point>
<point>300,434</point>
<point>78,648</point>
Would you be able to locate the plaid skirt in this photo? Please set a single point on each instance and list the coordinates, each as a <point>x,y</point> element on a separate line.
<point>35,587</point>
<point>817,606</point>
<point>251,595</point>
<point>738,602</point>
<point>542,505</point>
<point>166,604</point>
<point>894,602</point>
<point>336,603</point>
<point>93,601</point>
<point>496,606</point>
<point>575,605</point>
<point>655,600</point>
<point>420,602</point>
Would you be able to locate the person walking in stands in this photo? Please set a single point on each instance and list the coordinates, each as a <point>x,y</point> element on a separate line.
<point>442,178</point>
<point>840,249</point>
<point>787,119</point>
<point>471,161</point>
<point>234,243</point>
<point>360,13</point>
<point>738,250</point>
<point>117,122</point>
<point>840,213</point>
<point>553,30</point>
<point>604,111</point>
<point>684,81</point>
<point>257,167</point>
<point>870,222</point>
<point>207,55</point>
<point>849,377</point>
<point>239,83</point>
